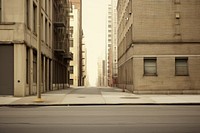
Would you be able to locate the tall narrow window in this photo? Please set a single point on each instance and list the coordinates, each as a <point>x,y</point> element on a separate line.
<point>71,43</point>
<point>34,67</point>
<point>46,32</point>
<point>50,35</point>
<point>181,66</point>
<point>71,82</point>
<point>27,13</point>
<point>27,65</point>
<point>34,18</point>
<point>71,30</point>
<point>71,69</point>
<point>150,68</point>
<point>0,11</point>
<point>46,6</point>
<point>42,27</point>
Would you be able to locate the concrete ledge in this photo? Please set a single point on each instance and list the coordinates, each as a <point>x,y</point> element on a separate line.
<point>95,104</point>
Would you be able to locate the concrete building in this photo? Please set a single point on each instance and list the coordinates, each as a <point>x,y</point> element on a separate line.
<point>159,46</point>
<point>74,46</point>
<point>101,79</point>
<point>19,50</point>
<point>77,6</point>
<point>61,43</point>
<point>84,66</point>
<point>112,43</point>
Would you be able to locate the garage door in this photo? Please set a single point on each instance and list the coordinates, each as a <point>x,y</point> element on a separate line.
<point>6,70</point>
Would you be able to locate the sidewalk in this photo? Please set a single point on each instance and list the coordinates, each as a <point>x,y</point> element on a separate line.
<point>99,96</point>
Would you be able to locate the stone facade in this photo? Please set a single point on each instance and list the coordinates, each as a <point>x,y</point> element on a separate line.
<point>166,32</point>
<point>18,29</point>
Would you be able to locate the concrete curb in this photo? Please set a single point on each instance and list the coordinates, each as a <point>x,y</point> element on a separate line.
<point>100,104</point>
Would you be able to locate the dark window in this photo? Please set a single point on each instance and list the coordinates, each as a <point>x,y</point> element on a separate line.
<point>71,69</point>
<point>34,18</point>
<point>49,34</point>
<point>42,28</point>
<point>27,65</point>
<point>71,43</point>
<point>46,5</point>
<point>71,81</point>
<point>34,67</point>
<point>46,31</point>
<point>27,13</point>
<point>150,67</point>
<point>71,31</point>
<point>181,66</point>
<point>42,68</point>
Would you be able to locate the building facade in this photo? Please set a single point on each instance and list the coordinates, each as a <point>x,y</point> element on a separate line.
<point>74,46</point>
<point>159,46</point>
<point>112,43</point>
<point>78,9</point>
<point>61,43</point>
<point>84,66</point>
<point>101,79</point>
<point>19,52</point>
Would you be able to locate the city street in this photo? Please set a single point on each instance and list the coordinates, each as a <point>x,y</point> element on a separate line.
<point>100,119</point>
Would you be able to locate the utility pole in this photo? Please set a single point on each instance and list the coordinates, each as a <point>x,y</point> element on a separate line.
<point>39,53</point>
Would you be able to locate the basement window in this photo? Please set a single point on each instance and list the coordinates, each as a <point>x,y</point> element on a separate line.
<point>181,66</point>
<point>150,66</point>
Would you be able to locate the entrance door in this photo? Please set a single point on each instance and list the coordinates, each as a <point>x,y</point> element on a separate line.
<point>6,70</point>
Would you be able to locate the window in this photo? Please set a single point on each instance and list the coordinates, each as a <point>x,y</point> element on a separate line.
<point>46,5</point>
<point>27,65</point>
<point>46,32</point>
<point>34,67</point>
<point>71,69</point>
<point>0,12</point>
<point>150,67</point>
<point>71,16</point>
<point>34,18</point>
<point>50,35</point>
<point>27,13</point>
<point>71,30</point>
<point>71,81</point>
<point>42,68</point>
<point>71,43</point>
<point>42,28</point>
<point>181,66</point>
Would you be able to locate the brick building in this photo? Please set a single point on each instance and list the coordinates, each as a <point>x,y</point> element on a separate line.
<point>159,46</point>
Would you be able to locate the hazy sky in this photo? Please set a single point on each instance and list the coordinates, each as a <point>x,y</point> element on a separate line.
<point>94,28</point>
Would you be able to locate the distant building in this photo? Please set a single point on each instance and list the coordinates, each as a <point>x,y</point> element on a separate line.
<point>101,80</point>
<point>112,43</point>
<point>19,50</point>
<point>75,46</point>
<point>78,34</point>
<point>159,46</point>
<point>84,66</point>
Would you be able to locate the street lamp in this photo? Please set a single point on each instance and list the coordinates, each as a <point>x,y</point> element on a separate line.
<point>39,53</point>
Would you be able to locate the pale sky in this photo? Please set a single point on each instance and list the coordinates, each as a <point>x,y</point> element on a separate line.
<point>94,28</point>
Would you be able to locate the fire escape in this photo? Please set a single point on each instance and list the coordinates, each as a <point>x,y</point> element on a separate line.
<point>61,29</point>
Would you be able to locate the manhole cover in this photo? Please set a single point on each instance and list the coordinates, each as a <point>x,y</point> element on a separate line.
<point>81,97</point>
<point>129,97</point>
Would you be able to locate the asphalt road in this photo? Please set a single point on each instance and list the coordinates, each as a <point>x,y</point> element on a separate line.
<point>100,119</point>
